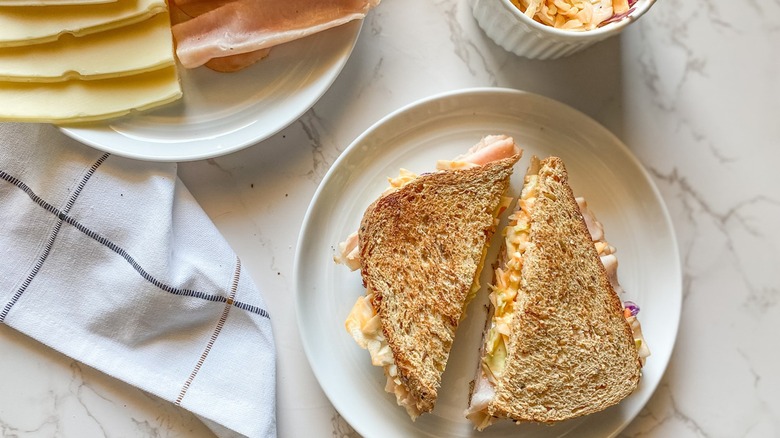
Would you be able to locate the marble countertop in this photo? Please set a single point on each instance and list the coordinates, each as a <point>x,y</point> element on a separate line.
<point>691,89</point>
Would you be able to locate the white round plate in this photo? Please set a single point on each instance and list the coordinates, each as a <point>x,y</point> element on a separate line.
<point>221,113</point>
<point>601,168</point>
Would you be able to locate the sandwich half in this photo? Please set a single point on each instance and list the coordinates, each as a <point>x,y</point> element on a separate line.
<point>558,343</point>
<point>420,248</point>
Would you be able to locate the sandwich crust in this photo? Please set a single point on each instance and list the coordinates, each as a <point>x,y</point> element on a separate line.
<point>571,351</point>
<point>420,249</point>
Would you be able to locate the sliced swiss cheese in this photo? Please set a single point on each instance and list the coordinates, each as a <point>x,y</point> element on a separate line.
<point>132,49</point>
<point>24,25</point>
<point>82,101</point>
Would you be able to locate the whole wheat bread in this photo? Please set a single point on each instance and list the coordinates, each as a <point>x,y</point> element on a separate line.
<point>420,249</point>
<point>571,351</point>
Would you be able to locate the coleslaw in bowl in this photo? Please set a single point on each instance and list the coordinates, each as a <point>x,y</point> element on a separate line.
<point>550,29</point>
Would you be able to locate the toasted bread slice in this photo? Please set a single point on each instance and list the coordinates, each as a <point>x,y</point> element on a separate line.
<point>557,344</point>
<point>421,249</point>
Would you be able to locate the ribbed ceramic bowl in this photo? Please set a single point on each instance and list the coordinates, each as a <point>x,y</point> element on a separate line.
<point>505,24</point>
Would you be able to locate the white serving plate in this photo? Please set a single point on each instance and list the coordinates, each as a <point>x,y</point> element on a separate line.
<point>221,113</point>
<point>601,168</point>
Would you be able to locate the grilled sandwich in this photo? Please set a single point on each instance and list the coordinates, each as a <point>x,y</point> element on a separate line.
<point>420,249</point>
<point>558,342</point>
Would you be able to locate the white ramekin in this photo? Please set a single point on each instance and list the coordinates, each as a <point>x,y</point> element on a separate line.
<point>505,24</point>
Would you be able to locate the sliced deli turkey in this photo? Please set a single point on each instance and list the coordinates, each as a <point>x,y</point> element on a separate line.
<point>208,29</point>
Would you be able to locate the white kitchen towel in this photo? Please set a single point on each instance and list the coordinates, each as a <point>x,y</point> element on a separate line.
<point>112,262</point>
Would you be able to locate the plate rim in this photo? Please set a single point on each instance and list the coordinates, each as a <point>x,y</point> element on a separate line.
<point>349,150</point>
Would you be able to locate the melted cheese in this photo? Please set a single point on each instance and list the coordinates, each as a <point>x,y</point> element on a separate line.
<point>133,49</point>
<point>81,101</point>
<point>404,177</point>
<point>25,25</point>
<point>363,322</point>
<point>365,326</point>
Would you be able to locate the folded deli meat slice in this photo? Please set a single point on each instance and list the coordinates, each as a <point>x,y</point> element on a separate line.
<point>183,10</point>
<point>218,29</point>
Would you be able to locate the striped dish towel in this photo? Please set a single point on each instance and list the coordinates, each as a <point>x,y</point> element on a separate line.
<point>112,262</point>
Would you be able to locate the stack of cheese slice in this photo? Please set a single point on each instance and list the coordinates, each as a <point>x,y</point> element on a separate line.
<point>67,61</point>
